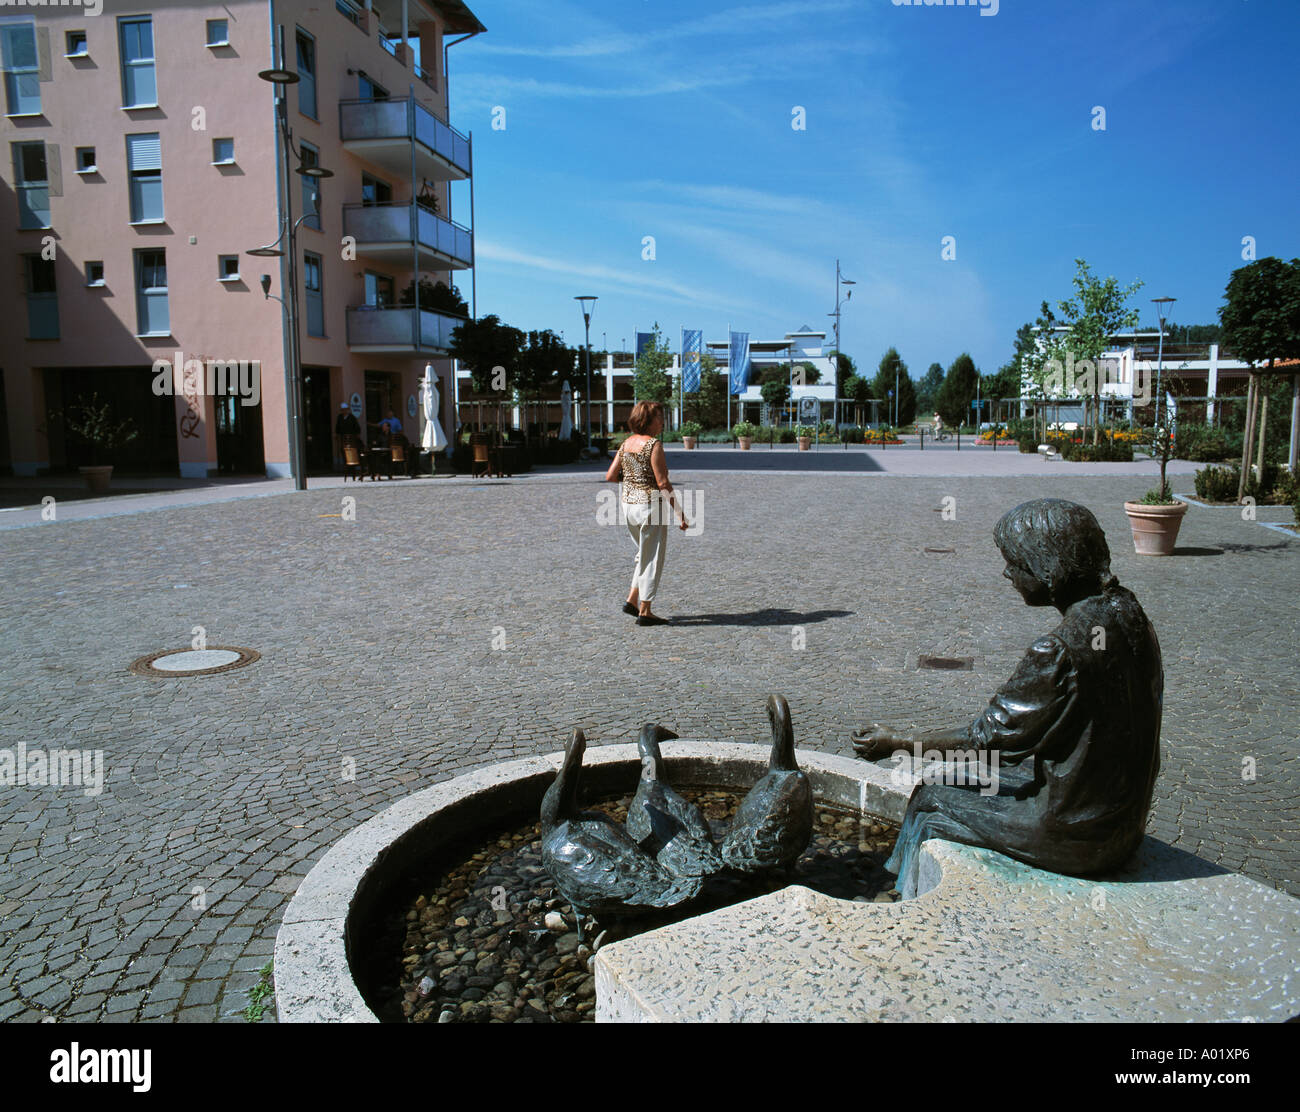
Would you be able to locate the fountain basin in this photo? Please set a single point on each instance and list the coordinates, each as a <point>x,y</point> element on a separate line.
<point>338,902</point>
<point>1168,938</point>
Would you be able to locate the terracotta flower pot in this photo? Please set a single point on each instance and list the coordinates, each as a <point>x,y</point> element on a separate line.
<point>805,442</point>
<point>1155,528</point>
<point>744,442</point>
<point>688,442</point>
<point>97,478</point>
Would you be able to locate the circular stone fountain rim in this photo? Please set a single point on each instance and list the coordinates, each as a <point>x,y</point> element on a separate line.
<point>313,977</point>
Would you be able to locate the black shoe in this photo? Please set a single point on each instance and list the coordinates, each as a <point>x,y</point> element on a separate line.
<point>651,620</point>
<point>628,608</point>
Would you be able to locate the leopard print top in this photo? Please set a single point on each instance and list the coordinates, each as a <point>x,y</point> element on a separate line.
<point>638,475</point>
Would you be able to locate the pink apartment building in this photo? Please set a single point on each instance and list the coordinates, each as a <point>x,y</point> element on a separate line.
<point>143,161</point>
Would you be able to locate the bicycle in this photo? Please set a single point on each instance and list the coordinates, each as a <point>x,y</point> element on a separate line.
<point>940,435</point>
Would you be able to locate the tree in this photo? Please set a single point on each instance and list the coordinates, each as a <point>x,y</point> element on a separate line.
<point>1261,322</point>
<point>1093,315</point>
<point>651,381</point>
<point>776,394</point>
<point>858,390</point>
<point>484,344</point>
<point>845,368</point>
<point>546,362</point>
<point>893,370</point>
<point>958,390</point>
<point>708,405</point>
<point>927,390</point>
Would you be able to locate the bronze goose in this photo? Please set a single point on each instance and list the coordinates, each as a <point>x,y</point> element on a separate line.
<point>594,862</point>
<point>773,824</point>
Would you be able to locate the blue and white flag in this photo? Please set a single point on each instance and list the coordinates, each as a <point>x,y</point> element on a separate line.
<point>644,342</point>
<point>738,362</point>
<point>692,342</point>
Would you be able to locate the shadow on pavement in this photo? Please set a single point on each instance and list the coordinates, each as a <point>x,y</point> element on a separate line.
<point>768,617</point>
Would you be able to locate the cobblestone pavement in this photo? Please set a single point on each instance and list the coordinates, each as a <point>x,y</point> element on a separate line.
<point>452,626</point>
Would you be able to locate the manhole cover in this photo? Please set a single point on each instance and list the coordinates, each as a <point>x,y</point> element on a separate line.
<point>947,663</point>
<point>171,663</point>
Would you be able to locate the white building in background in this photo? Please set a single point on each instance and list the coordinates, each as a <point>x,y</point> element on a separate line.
<point>612,378</point>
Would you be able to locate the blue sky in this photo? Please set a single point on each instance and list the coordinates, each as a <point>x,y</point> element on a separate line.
<point>673,120</point>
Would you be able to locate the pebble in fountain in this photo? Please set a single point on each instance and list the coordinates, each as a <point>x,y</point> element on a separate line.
<point>676,828</point>
<point>593,860</point>
<point>773,824</point>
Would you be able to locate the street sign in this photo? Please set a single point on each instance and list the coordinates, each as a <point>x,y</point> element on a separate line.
<point>810,410</point>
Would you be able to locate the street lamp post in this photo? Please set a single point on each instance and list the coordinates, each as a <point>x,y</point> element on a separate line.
<point>588,303</point>
<point>839,280</point>
<point>280,76</point>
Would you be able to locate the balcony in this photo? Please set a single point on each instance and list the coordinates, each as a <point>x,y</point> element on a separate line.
<point>384,131</point>
<point>400,331</point>
<point>393,230</point>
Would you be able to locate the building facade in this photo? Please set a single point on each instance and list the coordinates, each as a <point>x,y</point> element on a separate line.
<point>143,162</point>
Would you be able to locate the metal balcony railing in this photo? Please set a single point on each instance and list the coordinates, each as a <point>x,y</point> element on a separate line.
<point>400,330</point>
<point>404,120</point>
<point>396,223</point>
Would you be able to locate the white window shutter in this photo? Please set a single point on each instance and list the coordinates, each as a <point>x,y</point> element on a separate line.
<point>143,152</point>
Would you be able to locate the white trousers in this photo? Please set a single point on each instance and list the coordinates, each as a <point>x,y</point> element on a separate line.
<point>649,530</point>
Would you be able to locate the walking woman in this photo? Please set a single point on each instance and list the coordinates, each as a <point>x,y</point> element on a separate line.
<point>644,470</point>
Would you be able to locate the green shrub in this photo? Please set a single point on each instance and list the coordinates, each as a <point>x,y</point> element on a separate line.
<point>690,428</point>
<point>1027,442</point>
<point>1217,484</point>
<point>805,431</point>
<point>742,429</point>
<point>671,436</point>
<point>1203,443</point>
<point>1104,451</point>
<point>787,436</point>
<point>852,435</point>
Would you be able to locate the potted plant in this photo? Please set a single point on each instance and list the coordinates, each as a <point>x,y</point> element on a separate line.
<point>1156,519</point>
<point>92,421</point>
<point>690,430</point>
<point>805,433</point>
<point>743,431</point>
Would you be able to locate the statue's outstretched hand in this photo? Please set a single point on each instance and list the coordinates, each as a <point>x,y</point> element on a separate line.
<point>875,741</point>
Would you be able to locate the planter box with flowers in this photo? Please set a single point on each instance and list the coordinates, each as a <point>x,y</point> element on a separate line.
<point>690,431</point>
<point>743,431</point>
<point>805,433</point>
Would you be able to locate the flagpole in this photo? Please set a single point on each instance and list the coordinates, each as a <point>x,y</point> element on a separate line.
<point>728,376</point>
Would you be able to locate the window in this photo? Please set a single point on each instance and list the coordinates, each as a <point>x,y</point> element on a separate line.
<point>223,152</point>
<point>31,175</point>
<point>144,168</point>
<point>151,292</point>
<point>311,280</point>
<point>94,274</point>
<point>42,299</point>
<point>374,191</point>
<point>217,32</point>
<point>379,290</point>
<point>306,74</point>
<point>139,89</point>
<point>311,188</point>
<point>86,160</point>
<point>228,268</point>
<point>76,44</point>
<point>22,69</point>
<point>369,89</point>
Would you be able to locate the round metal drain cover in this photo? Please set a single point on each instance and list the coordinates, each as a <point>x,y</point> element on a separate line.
<point>171,663</point>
